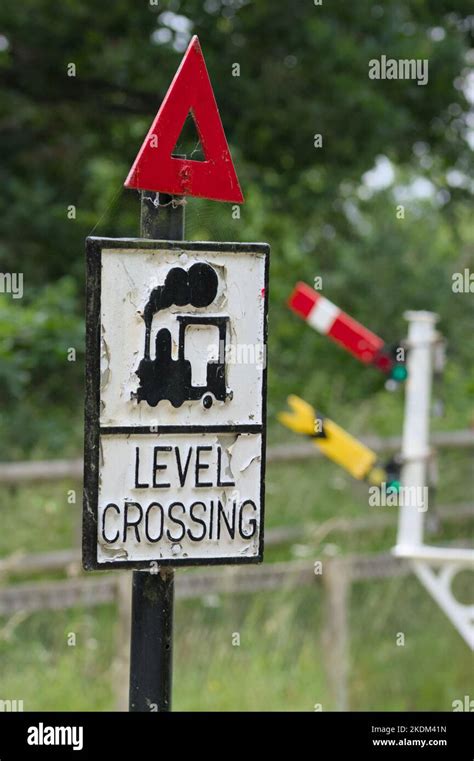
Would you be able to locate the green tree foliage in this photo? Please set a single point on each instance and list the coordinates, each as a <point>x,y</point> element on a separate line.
<point>69,141</point>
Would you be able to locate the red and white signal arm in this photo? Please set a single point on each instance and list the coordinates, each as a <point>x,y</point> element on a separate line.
<point>328,319</point>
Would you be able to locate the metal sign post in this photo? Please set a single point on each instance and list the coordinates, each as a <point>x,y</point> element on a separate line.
<point>151,644</point>
<point>175,419</point>
<point>175,423</point>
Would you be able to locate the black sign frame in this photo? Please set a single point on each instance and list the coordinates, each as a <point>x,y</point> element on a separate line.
<point>92,431</point>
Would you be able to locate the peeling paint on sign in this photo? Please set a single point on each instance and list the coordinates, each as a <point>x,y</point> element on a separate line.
<point>175,412</point>
<point>192,496</point>
<point>240,278</point>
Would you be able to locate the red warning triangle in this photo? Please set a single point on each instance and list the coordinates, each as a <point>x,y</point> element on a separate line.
<point>156,169</point>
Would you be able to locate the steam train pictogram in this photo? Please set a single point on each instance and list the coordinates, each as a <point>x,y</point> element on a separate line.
<point>164,377</point>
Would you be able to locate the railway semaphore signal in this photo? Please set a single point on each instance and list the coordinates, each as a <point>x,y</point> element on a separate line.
<point>329,320</point>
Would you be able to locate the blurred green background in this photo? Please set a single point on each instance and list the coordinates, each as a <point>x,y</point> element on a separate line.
<point>329,211</point>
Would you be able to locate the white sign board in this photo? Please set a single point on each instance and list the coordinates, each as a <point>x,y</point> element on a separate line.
<point>175,403</point>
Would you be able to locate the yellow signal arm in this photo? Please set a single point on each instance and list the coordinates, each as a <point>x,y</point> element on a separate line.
<point>338,445</point>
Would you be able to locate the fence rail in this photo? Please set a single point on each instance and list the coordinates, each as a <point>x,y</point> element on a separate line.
<point>30,597</point>
<point>33,596</point>
<point>57,470</point>
<point>69,561</point>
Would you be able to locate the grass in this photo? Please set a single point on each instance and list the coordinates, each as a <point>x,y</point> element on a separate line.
<point>278,665</point>
<point>48,674</point>
<point>280,661</point>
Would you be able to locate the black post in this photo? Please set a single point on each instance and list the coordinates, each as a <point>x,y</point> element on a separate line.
<point>151,650</point>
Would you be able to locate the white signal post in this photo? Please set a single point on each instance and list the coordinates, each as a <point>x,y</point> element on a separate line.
<point>416,427</point>
<point>435,567</point>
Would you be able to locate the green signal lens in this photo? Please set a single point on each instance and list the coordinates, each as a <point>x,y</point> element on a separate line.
<point>393,486</point>
<point>399,373</point>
